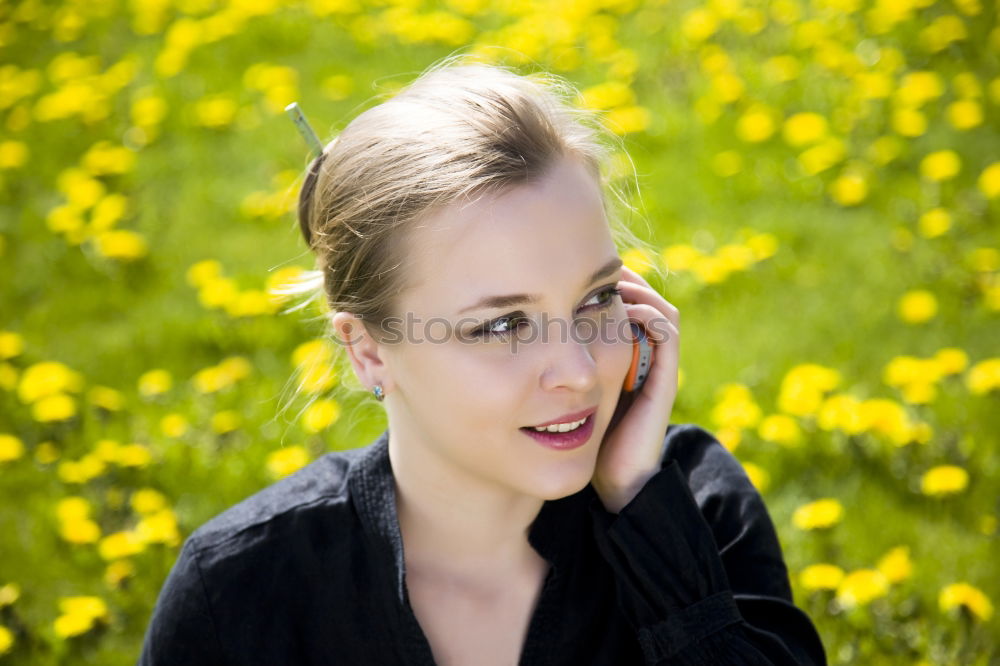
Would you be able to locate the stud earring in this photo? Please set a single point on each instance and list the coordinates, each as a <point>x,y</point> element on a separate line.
<point>379,393</point>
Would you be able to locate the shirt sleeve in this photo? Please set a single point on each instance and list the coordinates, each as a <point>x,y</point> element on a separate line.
<point>182,630</point>
<point>703,581</point>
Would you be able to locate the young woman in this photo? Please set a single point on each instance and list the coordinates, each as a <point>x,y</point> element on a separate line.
<point>520,508</point>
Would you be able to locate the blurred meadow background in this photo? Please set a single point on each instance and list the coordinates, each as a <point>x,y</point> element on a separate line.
<point>821,179</point>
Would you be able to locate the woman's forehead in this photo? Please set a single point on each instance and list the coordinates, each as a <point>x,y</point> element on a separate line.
<point>547,233</point>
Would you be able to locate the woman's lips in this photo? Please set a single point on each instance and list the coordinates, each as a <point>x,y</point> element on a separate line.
<point>568,418</point>
<point>562,441</point>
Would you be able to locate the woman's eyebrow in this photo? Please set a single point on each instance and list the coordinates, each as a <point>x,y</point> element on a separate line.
<point>508,300</point>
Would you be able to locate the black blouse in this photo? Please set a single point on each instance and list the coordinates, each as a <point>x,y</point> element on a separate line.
<point>310,570</point>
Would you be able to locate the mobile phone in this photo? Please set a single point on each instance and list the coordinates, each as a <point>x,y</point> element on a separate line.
<point>642,359</point>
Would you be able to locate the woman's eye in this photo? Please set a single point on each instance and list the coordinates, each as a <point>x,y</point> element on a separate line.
<point>605,298</point>
<point>500,328</point>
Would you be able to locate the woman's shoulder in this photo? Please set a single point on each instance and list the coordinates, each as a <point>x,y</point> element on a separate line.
<point>703,460</point>
<point>318,492</point>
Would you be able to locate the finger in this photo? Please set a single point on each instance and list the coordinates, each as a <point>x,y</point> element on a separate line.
<point>658,327</point>
<point>632,292</point>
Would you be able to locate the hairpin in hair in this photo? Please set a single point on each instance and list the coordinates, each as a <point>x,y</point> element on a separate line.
<point>305,129</point>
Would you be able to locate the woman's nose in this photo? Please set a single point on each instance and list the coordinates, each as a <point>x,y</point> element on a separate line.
<point>568,363</point>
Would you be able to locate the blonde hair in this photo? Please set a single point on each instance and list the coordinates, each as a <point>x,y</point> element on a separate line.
<point>460,129</point>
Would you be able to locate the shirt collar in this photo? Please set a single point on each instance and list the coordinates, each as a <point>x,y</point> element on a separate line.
<point>553,534</point>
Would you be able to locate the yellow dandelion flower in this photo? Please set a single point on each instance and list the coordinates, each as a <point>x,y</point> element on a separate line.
<point>962,594</point>
<point>107,450</point>
<point>146,501</point>
<point>909,122</point>
<point>6,640</point>
<point>82,470</point>
<point>802,388</point>
<point>804,128</point>
<point>781,429</point>
<point>8,377</point>
<point>47,378</point>
<point>849,189</point>
<point>934,223</point>
<point>203,272</point>
<point>235,368</point>
<point>822,156</point>
<point>107,212</point>
<point>9,593</point>
<point>699,24</point>
<point>174,425</point>
<point>320,415</point>
<point>984,376</point>
<point>821,577</point>
<point>902,370</point>
<point>730,438</point>
<point>287,460</point>
<point>159,527</point>
<point>210,380</point>
<point>896,565</point>
<point>680,257</point>
<point>316,378</point>
<point>755,126</point>
<point>72,508</point>
<point>821,514</point>
<point>862,586</point>
<point>134,455</point>
<point>226,421</point>
<point>58,407</point>
<point>763,246</point>
<point>80,531</point>
<point>735,407</point>
<point>919,87</point>
<point>13,154</point>
<point>155,382</point>
<point>965,114</point>
<point>944,480</point>
<point>121,244</point>
<point>607,95</point>
<point>79,615</point>
<point>11,448</point>
<point>120,544</point>
<point>11,344</point>
<point>628,119</point>
<point>727,87</point>
<point>886,417</point>
<point>148,111</point>
<point>215,111</point>
<point>951,360</point>
<point>638,260</point>
<point>106,158</point>
<point>919,393</point>
<point>759,477</point>
<point>917,306</point>
<point>314,351</point>
<point>989,181</point>
<point>940,165</point>
<point>736,257</point>
<point>106,398</point>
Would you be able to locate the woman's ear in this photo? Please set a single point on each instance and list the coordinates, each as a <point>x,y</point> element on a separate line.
<point>363,351</point>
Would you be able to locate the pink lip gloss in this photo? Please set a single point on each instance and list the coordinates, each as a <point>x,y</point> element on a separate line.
<point>563,440</point>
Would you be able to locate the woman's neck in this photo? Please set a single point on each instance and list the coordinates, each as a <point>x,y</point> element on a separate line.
<point>456,526</point>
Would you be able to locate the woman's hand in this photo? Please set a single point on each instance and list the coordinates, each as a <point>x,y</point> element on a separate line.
<point>632,448</point>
